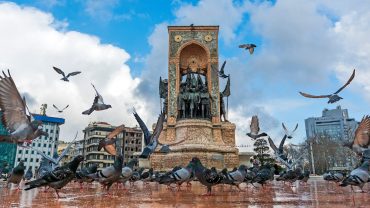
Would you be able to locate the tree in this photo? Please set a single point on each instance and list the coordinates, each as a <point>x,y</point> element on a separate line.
<point>262,149</point>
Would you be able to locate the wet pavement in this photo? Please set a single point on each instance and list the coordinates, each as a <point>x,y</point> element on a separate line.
<point>317,193</point>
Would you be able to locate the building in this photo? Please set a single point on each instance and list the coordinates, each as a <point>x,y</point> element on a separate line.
<point>129,141</point>
<point>48,145</point>
<point>334,123</point>
<point>8,150</point>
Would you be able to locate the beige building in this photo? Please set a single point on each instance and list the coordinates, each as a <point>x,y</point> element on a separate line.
<point>128,142</point>
<point>62,145</point>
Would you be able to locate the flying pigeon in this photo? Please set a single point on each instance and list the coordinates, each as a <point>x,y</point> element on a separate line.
<point>362,136</point>
<point>65,78</point>
<point>279,152</point>
<point>249,47</point>
<point>109,142</point>
<point>109,175</point>
<point>57,178</point>
<point>357,177</point>
<point>60,110</point>
<point>16,175</point>
<point>150,140</point>
<point>221,73</point>
<point>333,97</point>
<point>28,174</point>
<point>54,161</point>
<point>98,104</point>
<point>206,176</point>
<point>14,116</point>
<point>255,128</point>
<point>289,133</point>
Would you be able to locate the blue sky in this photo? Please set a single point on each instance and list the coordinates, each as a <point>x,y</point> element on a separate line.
<point>309,46</point>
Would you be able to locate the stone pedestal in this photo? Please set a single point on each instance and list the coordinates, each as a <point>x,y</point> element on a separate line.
<point>213,144</point>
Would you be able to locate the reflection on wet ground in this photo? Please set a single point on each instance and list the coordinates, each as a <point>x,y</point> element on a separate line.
<point>316,194</point>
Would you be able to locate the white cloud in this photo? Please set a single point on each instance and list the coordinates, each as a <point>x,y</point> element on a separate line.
<point>30,45</point>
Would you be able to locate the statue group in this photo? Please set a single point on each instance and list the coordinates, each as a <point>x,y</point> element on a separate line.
<point>194,98</point>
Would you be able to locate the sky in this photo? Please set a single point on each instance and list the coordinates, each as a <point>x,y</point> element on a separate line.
<point>122,47</point>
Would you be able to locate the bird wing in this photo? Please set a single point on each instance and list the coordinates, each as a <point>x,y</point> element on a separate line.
<point>158,127</point>
<point>255,128</point>
<point>143,127</point>
<point>100,98</point>
<point>65,108</point>
<point>272,145</point>
<point>59,71</point>
<point>313,96</point>
<point>281,146</point>
<point>73,73</point>
<point>47,157</point>
<point>222,70</point>
<point>296,127</point>
<point>244,46</point>
<point>116,131</point>
<point>285,129</point>
<point>347,83</point>
<point>56,107</point>
<point>65,151</point>
<point>363,128</point>
<point>11,103</point>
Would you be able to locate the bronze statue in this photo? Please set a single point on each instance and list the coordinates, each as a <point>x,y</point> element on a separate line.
<point>225,93</point>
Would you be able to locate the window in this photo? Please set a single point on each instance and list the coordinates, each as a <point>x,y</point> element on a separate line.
<point>57,131</point>
<point>37,160</point>
<point>39,144</point>
<point>31,160</point>
<point>32,152</point>
<point>47,130</point>
<point>19,159</point>
<point>44,145</point>
<point>51,131</point>
<point>26,151</point>
<point>25,159</point>
<point>49,153</point>
<point>33,144</point>
<point>19,151</point>
<point>49,145</point>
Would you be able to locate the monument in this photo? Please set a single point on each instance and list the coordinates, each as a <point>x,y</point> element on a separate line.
<point>196,121</point>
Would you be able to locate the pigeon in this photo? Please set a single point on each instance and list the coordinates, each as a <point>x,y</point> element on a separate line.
<point>362,136</point>
<point>221,73</point>
<point>109,142</point>
<point>16,175</point>
<point>98,104</point>
<point>59,110</point>
<point>65,78</point>
<point>14,116</point>
<point>179,176</point>
<point>305,176</point>
<point>82,175</point>
<point>333,97</point>
<point>44,168</point>
<point>289,133</point>
<point>357,177</point>
<point>249,47</point>
<point>28,174</point>
<point>57,178</point>
<point>254,127</point>
<point>206,176</point>
<point>279,152</point>
<point>236,177</point>
<point>263,175</point>
<point>127,171</point>
<point>109,175</point>
<point>335,177</point>
<point>136,176</point>
<point>55,161</point>
<point>150,140</point>
<point>147,176</point>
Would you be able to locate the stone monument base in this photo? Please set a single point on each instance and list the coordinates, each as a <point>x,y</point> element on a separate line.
<point>213,144</point>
